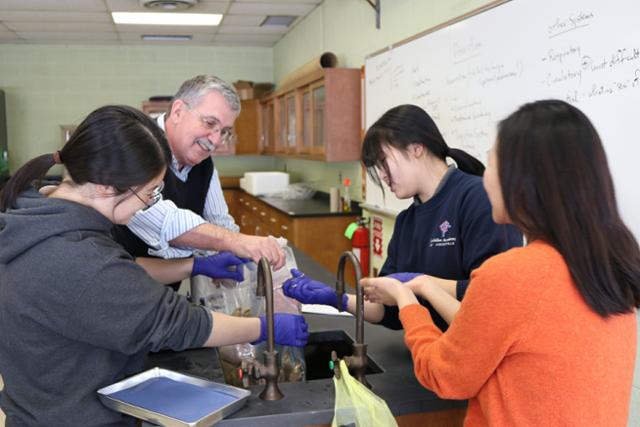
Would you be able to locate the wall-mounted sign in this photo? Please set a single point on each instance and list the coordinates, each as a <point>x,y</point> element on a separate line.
<point>376,231</point>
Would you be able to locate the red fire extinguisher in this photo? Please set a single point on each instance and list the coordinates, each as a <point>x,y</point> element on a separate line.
<point>360,244</point>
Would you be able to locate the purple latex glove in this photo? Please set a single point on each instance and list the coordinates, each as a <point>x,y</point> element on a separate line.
<point>404,277</point>
<point>223,265</point>
<point>309,291</point>
<point>289,329</point>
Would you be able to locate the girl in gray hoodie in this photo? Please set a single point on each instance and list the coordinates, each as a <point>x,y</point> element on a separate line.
<point>76,312</point>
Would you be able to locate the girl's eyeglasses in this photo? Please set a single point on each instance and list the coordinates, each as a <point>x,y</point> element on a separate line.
<point>154,196</point>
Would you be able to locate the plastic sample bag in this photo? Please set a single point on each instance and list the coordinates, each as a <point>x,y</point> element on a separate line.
<point>292,364</point>
<point>239,299</point>
<point>358,406</point>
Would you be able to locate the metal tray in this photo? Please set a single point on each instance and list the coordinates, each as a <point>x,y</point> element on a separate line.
<point>239,397</point>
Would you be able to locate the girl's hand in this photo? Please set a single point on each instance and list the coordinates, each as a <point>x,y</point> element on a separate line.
<point>387,291</point>
<point>421,286</point>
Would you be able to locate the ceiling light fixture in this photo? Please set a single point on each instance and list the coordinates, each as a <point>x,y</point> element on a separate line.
<point>165,37</point>
<point>167,18</point>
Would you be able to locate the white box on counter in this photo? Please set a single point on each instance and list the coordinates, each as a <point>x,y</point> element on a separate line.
<point>264,183</point>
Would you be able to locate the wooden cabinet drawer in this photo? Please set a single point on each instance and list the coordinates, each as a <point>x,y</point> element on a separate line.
<point>319,237</point>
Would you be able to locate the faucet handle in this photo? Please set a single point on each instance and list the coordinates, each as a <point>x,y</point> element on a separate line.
<point>246,371</point>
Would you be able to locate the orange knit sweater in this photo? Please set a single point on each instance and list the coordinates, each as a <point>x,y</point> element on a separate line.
<point>525,348</point>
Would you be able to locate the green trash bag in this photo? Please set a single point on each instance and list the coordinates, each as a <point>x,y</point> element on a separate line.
<point>358,406</point>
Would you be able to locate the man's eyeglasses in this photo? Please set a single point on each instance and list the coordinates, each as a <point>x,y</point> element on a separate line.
<point>213,125</point>
<point>154,197</point>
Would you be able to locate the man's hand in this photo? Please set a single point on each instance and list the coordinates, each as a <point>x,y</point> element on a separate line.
<point>256,247</point>
<point>212,237</point>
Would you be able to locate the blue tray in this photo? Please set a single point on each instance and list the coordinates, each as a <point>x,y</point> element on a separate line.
<point>171,399</point>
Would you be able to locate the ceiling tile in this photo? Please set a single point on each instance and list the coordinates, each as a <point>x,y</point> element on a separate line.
<point>39,5</point>
<point>59,26</point>
<point>249,20</point>
<point>77,37</point>
<point>271,9</point>
<point>237,29</point>
<point>54,16</point>
<point>134,6</point>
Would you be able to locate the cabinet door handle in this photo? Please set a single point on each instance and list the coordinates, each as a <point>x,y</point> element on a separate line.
<point>272,219</point>
<point>241,200</point>
<point>246,204</point>
<point>262,213</point>
<point>284,227</point>
<point>255,208</point>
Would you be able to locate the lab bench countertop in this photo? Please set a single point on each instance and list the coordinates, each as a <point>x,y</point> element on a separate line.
<point>312,402</point>
<point>318,205</point>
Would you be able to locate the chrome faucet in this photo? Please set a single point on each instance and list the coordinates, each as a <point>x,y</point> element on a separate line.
<point>358,362</point>
<point>270,369</point>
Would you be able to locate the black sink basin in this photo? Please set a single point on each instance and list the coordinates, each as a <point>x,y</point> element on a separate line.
<point>204,363</point>
<point>317,353</point>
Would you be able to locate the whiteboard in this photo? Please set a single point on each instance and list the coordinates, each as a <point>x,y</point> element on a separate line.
<point>473,73</point>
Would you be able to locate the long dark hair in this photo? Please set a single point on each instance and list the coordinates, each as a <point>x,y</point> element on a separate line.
<point>115,145</point>
<point>402,126</point>
<point>557,188</point>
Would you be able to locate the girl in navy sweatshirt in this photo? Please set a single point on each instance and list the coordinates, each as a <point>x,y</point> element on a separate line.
<point>446,232</point>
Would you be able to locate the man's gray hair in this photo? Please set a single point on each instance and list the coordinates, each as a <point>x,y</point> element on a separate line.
<point>193,90</point>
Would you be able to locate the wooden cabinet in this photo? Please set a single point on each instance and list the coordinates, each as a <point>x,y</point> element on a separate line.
<point>320,237</point>
<point>258,218</point>
<point>155,108</point>
<point>246,128</point>
<point>267,136</point>
<point>280,124</point>
<point>316,118</point>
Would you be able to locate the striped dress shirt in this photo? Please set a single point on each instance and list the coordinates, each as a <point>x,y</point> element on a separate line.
<point>164,221</point>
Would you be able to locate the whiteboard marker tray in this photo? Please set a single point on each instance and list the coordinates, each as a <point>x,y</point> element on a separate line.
<point>170,399</point>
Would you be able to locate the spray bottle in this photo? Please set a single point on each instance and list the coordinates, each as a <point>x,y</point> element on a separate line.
<point>346,198</point>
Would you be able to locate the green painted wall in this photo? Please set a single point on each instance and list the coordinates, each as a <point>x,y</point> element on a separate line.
<point>50,85</point>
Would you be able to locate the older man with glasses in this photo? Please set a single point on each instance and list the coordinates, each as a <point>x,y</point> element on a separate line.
<point>192,213</point>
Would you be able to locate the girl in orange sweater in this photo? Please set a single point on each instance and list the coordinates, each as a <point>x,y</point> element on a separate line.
<point>546,334</point>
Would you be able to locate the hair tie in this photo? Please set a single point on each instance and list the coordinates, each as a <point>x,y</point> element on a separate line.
<point>56,158</point>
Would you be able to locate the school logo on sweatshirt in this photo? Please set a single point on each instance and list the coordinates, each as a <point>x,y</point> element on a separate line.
<point>444,227</point>
<point>443,240</point>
